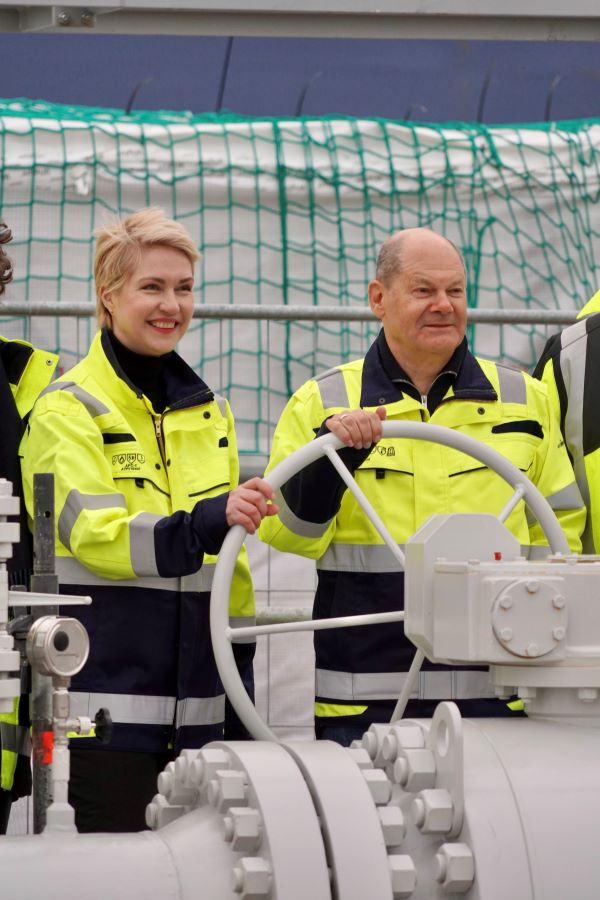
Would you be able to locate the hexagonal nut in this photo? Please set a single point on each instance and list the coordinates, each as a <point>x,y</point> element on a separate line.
<point>227,829</point>
<point>433,811</point>
<point>415,770</point>
<point>370,743</point>
<point>175,789</point>
<point>182,765</point>
<point>251,878</point>
<point>526,693</point>
<point>390,747</point>
<point>180,795</point>
<point>403,874</point>
<point>392,825</point>
<point>360,757</point>
<point>160,812</point>
<point>246,825</point>
<point>409,737</point>
<point>379,785</point>
<point>206,765</point>
<point>227,789</point>
<point>455,868</point>
<point>372,740</point>
<point>165,780</point>
<point>503,692</point>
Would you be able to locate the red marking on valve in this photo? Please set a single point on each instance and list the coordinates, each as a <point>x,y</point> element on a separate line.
<point>43,747</point>
<point>497,555</point>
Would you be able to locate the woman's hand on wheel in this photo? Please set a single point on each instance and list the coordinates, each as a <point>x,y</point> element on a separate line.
<point>248,504</point>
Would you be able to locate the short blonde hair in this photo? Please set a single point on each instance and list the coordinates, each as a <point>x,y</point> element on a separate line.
<point>119,245</point>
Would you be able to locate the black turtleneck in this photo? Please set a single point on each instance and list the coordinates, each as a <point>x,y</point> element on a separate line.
<point>146,373</point>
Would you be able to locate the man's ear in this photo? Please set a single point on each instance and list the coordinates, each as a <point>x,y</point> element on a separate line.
<point>376,296</point>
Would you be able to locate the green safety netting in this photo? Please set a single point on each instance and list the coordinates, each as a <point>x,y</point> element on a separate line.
<point>292,212</point>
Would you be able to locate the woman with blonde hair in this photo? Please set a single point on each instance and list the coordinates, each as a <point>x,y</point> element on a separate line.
<point>145,462</point>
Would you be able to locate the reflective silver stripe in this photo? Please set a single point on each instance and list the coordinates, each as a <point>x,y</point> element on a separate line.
<point>133,709</point>
<point>71,571</point>
<point>359,558</point>
<point>568,497</point>
<point>333,389</point>
<point>454,684</point>
<point>222,404</point>
<point>200,711</point>
<point>76,502</point>
<point>573,333</point>
<point>94,406</point>
<point>296,525</point>
<point>573,360</point>
<point>199,582</point>
<point>242,622</point>
<point>141,543</point>
<point>512,385</point>
<point>15,739</point>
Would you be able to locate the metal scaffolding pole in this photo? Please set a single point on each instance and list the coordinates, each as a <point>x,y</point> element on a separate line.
<point>299,313</point>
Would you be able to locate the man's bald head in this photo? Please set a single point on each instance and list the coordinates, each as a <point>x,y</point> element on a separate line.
<point>419,295</point>
<point>399,245</point>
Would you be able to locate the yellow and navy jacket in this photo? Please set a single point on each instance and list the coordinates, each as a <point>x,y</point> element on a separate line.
<point>140,517</point>
<point>24,373</point>
<point>360,671</point>
<point>570,367</point>
<point>592,306</point>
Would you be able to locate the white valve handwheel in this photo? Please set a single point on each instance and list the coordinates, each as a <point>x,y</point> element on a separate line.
<point>221,633</point>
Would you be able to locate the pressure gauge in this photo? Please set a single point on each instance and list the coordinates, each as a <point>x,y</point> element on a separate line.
<point>58,645</point>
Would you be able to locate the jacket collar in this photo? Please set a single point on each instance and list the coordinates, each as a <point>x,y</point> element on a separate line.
<point>471,382</point>
<point>14,356</point>
<point>183,387</point>
<point>27,370</point>
<point>378,389</point>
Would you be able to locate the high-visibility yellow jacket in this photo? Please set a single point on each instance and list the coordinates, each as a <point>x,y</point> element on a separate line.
<point>592,306</point>
<point>140,514</point>
<point>24,373</point>
<point>359,671</point>
<point>570,368</point>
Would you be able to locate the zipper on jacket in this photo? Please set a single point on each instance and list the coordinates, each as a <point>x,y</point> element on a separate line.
<point>160,439</point>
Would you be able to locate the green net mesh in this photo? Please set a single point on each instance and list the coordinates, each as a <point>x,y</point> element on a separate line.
<point>292,212</point>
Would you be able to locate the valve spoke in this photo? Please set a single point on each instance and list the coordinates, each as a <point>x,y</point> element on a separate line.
<point>365,504</point>
<point>238,634</point>
<point>516,498</point>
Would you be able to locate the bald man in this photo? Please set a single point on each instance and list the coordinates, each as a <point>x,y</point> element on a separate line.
<point>418,369</point>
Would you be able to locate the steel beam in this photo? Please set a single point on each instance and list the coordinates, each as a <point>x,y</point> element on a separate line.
<point>537,20</point>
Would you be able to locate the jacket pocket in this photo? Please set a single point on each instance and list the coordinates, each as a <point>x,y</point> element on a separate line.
<point>210,477</point>
<point>517,447</point>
